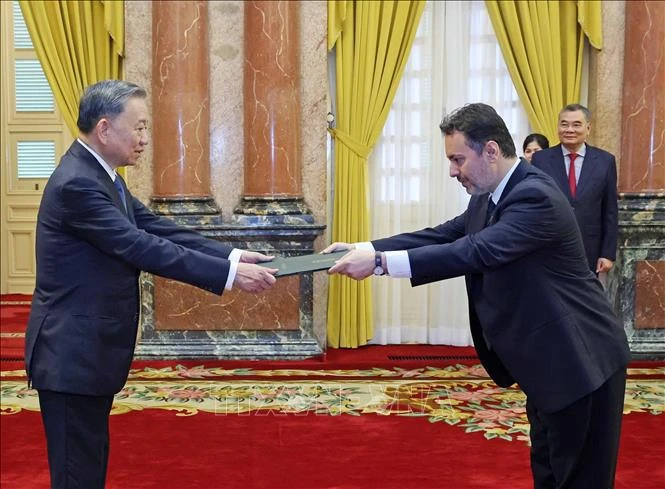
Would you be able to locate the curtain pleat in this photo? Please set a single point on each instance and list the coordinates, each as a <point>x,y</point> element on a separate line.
<point>542,43</point>
<point>372,41</point>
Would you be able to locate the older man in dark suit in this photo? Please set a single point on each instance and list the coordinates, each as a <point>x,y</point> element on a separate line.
<point>591,186</point>
<point>539,316</point>
<point>93,239</point>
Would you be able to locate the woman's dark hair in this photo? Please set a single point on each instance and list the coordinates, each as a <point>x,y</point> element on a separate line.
<point>538,138</point>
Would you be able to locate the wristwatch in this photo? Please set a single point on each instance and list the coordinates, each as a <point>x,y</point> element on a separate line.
<point>378,269</point>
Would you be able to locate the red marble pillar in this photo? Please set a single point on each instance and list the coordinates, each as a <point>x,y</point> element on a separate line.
<point>643,132</point>
<point>640,297</point>
<point>180,99</point>
<point>272,183</point>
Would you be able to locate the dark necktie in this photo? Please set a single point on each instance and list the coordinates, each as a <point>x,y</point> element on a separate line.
<point>121,191</point>
<point>572,182</point>
<point>490,210</point>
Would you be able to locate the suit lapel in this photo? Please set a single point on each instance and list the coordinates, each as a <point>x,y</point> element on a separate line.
<point>589,167</point>
<point>517,176</point>
<point>559,165</point>
<point>86,158</point>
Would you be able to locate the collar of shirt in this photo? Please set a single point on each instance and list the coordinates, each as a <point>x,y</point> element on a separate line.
<point>107,168</point>
<point>496,195</point>
<point>580,153</point>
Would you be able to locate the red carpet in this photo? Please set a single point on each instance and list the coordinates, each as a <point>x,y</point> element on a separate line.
<point>14,311</point>
<point>162,451</point>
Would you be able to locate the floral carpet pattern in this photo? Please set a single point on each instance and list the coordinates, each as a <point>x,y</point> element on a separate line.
<point>459,395</point>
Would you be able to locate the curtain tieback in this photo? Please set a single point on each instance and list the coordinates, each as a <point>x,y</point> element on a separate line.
<point>358,148</point>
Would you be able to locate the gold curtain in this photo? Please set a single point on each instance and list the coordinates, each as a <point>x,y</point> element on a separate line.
<point>372,41</point>
<point>78,43</point>
<point>542,43</point>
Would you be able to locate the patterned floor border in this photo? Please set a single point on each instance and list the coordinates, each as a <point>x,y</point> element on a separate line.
<point>448,395</point>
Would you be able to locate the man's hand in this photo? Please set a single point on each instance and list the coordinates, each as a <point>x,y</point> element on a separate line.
<point>357,264</point>
<point>254,257</point>
<point>339,246</point>
<point>254,278</point>
<point>604,265</point>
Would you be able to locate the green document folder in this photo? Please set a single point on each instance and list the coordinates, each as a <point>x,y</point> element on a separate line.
<point>305,263</point>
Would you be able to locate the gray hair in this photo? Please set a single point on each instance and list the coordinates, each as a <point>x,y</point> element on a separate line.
<point>105,99</point>
<point>575,108</point>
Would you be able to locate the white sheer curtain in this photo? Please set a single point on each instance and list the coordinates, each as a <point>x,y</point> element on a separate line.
<point>455,60</point>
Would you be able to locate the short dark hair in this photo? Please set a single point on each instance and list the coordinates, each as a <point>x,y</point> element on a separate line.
<point>105,99</point>
<point>538,138</point>
<point>479,123</point>
<point>575,108</point>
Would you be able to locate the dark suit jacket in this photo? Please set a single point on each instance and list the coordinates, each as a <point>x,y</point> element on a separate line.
<point>548,323</point>
<point>83,321</point>
<point>595,203</point>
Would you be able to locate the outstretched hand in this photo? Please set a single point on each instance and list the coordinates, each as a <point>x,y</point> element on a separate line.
<point>254,278</point>
<point>357,264</point>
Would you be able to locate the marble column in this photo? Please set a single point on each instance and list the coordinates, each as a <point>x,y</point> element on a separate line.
<point>272,183</point>
<point>639,285</point>
<point>181,110</point>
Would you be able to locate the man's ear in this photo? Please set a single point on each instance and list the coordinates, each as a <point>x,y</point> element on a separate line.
<point>102,129</point>
<point>492,149</point>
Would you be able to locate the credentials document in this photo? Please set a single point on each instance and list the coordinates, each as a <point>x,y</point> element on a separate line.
<point>305,263</point>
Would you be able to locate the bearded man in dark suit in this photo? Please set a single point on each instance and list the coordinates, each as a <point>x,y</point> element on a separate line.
<point>93,239</point>
<point>591,189</point>
<point>539,316</point>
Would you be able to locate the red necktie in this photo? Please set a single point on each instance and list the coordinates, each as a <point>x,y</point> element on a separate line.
<point>572,183</point>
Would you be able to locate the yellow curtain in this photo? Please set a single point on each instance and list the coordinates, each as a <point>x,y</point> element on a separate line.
<point>78,43</point>
<point>372,40</point>
<point>542,43</point>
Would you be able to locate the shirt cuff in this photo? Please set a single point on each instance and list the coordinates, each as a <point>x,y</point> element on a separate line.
<point>233,269</point>
<point>398,264</point>
<point>234,258</point>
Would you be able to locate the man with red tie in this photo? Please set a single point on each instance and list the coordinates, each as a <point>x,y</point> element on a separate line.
<point>588,177</point>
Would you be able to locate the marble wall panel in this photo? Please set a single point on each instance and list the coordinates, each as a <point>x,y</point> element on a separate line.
<point>650,295</point>
<point>138,69</point>
<point>226,103</point>
<point>606,81</point>
<point>180,307</point>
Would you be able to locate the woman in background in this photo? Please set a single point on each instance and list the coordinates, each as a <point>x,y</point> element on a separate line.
<point>532,143</point>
